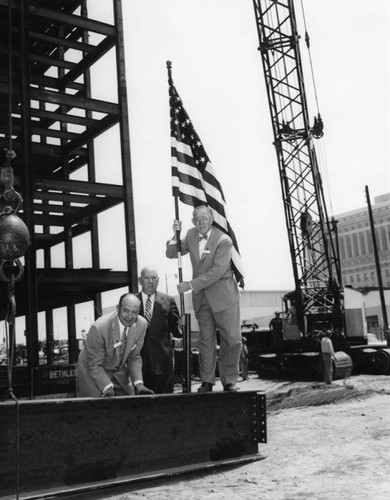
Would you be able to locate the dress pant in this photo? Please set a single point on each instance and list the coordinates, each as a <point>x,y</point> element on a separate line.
<point>160,384</point>
<point>244,369</point>
<point>228,324</point>
<point>328,367</point>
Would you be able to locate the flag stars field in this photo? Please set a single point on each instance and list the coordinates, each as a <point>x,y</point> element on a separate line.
<point>193,179</point>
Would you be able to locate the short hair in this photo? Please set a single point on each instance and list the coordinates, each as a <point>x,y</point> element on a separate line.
<point>150,268</point>
<point>122,297</point>
<point>203,206</point>
<point>121,300</point>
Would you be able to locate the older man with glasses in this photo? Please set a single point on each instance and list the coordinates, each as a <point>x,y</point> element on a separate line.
<point>215,298</point>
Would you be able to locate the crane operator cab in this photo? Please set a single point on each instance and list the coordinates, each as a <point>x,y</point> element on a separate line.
<point>291,328</point>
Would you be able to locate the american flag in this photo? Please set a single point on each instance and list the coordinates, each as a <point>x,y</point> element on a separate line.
<point>193,178</point>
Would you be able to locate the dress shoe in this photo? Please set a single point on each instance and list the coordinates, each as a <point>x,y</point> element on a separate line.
<point>205,387</point>
<point>230,388</point>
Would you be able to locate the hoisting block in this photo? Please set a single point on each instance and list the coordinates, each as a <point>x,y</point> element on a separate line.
<point>59,446</point>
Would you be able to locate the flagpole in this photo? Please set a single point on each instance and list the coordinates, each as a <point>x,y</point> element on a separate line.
<point>187,317</point>
<point>179,263</point>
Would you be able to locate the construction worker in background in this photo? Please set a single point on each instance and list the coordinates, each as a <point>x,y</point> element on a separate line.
<point>276,327</point>
<point>328,356</point>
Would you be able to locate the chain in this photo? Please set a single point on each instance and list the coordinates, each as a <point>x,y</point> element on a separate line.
<point>14,240</point>
<point>9,195</point>
<point>12,246</point>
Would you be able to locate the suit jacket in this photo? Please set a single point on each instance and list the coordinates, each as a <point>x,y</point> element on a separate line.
<point>157,349</point>
<point>99,361</point>
<point>212,272</point>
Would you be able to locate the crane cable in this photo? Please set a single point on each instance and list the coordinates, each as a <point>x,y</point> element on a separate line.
<point>280,67</point>
<point>307,41</point>
<point>323,151</point>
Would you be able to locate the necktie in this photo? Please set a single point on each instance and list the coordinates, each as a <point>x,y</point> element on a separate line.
<point>148,310</point>
<point>203,237</point>
<point>123,343</point>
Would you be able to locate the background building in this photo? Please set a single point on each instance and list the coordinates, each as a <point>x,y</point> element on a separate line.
<point>256,306</point>
<point>356,249</point>
<point>373,310</point>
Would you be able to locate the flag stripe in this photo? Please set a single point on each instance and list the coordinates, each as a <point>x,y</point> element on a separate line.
<point>193,179</point>
<point>188,199</point>
<point>185,178</point>
<point>191,186</point>
<point>215,198</point>
<point>181,178</point>
<point>208,181</point>
<point>189,190</point>
<point>183,153</point>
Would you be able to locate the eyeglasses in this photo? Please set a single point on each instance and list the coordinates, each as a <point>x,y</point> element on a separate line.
<point>201,219</point>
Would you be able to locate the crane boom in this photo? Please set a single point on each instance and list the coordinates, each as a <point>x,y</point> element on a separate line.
<point>311,236</point>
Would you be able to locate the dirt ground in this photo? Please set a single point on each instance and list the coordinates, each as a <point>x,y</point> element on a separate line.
<point>323,444</point>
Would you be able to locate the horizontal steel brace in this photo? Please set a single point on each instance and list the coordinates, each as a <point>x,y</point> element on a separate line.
<point>67,444</point>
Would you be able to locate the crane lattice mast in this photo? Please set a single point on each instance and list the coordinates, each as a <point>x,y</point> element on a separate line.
<point>311,235</point>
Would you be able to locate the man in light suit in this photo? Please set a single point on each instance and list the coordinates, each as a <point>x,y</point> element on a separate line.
<point>163,321</point>
<point>215,298</point>
<point>110,362</point>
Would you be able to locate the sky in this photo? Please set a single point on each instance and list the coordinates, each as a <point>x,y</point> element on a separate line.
<point>213,46</point>
<point>217,70</point>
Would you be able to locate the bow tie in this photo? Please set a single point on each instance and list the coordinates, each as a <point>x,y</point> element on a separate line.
<point>204,237</point>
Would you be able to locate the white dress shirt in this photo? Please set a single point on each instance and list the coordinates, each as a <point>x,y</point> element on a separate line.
<point>203,242</point>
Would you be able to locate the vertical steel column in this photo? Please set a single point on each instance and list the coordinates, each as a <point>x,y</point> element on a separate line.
<point>47,264</point>
<point>30,275</point>
<point>125,150</point>
<point>73,350</point>
<point>97,298</point>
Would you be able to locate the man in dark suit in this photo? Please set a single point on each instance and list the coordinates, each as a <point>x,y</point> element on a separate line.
<point>162,315</point>
<point>110,362</point>
<point>215,297</point>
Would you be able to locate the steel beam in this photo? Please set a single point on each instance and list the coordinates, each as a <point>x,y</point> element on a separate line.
<point>51,447</point>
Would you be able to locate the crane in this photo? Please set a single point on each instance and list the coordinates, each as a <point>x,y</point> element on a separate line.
<point>311,238</point>
<point>317,302</point>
